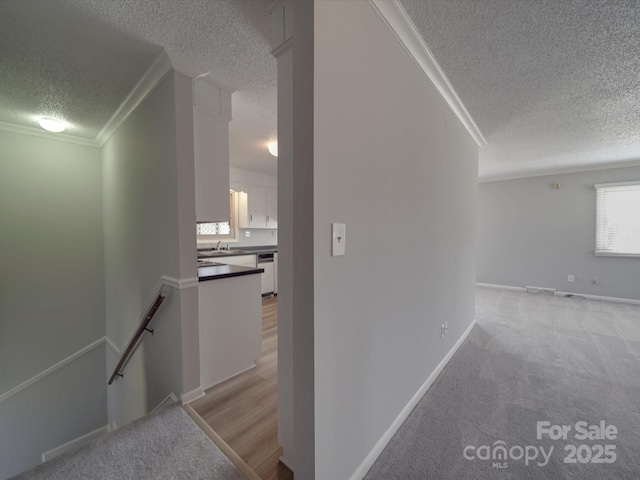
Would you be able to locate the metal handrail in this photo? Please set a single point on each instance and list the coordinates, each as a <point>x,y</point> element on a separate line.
<point>162,294</point>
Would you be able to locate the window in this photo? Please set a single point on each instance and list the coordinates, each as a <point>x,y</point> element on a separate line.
<point>618,219</point>
<point>217,228</point>
<point>213,232</point>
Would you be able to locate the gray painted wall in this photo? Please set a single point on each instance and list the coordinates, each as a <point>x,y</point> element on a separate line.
<point>147,200</point>
<point>68,403</point>
<point>51,295</point>
<point>532,234</point>
<point>397,164</point>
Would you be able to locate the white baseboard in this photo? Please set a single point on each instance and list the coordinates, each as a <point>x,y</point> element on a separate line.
<point>218,382</point>
<point>76,442</point>
<point>629,301</point>
<point>169,399</point>
<point>500,287</point>
<point>287,463</point>
<point>186,398</point>
<point>369,460</point>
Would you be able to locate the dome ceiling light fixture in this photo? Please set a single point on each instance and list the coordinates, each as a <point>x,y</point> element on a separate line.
<point>273,148</point>
<point>52,124</point>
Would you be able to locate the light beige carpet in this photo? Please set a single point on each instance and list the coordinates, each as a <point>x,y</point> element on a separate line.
<point>166,444</point>
<point>530,359</point>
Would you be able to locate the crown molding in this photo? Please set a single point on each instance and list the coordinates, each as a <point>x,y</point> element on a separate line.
<point>38,132</point>
<point>558,171</point>
<point>165,63</point>
<point>188,68</point>
<point>156,72</point>
<point>397,19</point>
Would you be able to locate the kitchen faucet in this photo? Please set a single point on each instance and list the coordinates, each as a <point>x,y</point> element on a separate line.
<point>218,246</point>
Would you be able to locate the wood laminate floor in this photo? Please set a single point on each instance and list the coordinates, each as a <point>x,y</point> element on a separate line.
<point>243,409</point>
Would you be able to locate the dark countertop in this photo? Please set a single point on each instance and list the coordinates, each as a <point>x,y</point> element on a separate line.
<point>260,249</point>
<point>215,271</point>
<point>212,253</point>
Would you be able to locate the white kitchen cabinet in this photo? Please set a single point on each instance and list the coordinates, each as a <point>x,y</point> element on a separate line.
<point>257,207</point>
<point>230,319</point>
<point>211,115</point>
<point>242,260</point>
<point>272,207</point>
<point>261,208</point>
<point>267,278</point>
<point>275,273</point>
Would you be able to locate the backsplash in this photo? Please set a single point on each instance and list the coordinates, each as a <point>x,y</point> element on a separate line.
<point>258,237</point>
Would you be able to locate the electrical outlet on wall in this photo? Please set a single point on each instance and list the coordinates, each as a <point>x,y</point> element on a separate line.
<point>444,329</point>
<point>570,278</point>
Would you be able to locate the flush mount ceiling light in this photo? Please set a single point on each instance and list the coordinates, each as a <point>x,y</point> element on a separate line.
<point>273,148</point>
<point>52,124</point>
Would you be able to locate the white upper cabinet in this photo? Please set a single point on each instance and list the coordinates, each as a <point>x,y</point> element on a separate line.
<point>260,209</point>
<point>257,206</point>
<point>211,116</point>
<point>272,207</point>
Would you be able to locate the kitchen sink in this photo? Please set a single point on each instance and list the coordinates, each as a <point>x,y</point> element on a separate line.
<point>208,263</point>
<point>215,253</point>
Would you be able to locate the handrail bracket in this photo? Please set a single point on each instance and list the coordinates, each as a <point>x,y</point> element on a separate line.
<point>135,340</point>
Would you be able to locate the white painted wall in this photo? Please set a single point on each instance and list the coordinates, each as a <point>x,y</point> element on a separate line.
<point>396,164</point>
<point>51,295</point>
<point>532,234</point>
<point>379,151</point>
<point>148,205</point>
<point>259,237</point>
<point>285,258</point>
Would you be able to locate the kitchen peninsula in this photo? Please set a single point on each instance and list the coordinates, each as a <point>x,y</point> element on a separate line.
<point>265,257</point>
<point>229,304</point>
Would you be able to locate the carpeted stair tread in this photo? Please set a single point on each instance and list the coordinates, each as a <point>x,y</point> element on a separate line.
<point>166,444</point>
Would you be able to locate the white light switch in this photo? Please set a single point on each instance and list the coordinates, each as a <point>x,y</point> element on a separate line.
<point>338,235</point>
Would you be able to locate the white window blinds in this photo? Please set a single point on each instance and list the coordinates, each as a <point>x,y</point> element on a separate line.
<point>618,219</point>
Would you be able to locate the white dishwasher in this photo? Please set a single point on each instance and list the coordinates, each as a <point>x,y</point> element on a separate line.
<point>265,261</point>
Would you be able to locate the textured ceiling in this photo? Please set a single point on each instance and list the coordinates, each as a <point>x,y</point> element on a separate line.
<point>229,37</point>
<point>56,62</point>
<point>552,84</point>
<point>79,59</point>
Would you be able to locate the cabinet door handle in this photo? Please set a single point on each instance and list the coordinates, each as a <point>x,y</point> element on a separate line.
<point>251,217</point>
<point>268,219</point>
